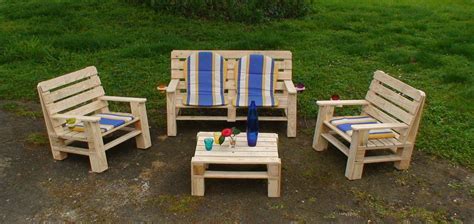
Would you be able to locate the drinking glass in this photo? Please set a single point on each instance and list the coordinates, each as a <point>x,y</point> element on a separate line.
<point>208,143</point>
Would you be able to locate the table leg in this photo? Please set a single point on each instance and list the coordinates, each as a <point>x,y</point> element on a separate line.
<point>197,179</point>
<point>274,179</point>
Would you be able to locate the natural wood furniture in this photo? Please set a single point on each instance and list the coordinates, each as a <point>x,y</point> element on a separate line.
<point>285,89</point>
<point>265,153</point>
<point>396,105</point>
<point>80,95</point>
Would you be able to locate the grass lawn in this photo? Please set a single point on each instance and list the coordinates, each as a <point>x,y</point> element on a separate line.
<point>428,44</point>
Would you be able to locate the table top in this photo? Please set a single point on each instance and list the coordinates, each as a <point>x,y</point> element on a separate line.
<point>266,149</point>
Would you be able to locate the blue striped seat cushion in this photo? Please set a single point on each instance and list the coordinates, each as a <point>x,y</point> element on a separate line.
<point>107,122</point>
<point>345,125</point>
<point>256,79</point>
<point>204,73</point>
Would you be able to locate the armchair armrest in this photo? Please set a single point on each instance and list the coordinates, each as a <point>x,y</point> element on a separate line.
<point>378,126</point>
<point>77,117</point>
<point>341,102</point>
<point>122,99</point>
<point>172,86</point>
<point>290,87</point>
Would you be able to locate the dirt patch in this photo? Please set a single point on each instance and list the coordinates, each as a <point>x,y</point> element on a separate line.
<point>154,184</point>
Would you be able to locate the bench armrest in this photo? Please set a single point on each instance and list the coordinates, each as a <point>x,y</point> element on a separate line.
<point>341,102</point>
<point>77,117</point>
<point>172,86</point>
<point>122,99</point>
<point>358,127</point>
<point>290,87</point>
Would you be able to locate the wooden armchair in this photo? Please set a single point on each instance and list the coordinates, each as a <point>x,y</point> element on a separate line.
<point>389,122</point>
<point>79,95</point>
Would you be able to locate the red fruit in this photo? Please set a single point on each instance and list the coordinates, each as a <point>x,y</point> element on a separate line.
<point>226,132</point>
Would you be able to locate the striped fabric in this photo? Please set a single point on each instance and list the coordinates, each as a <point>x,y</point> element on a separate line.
<point>345,125</point>
<point>256,80</point>
<point>107,121</point>
<point>205,78</point>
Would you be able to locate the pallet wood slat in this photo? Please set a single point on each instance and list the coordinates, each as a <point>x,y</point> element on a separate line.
<point>396,105</point>
<point>80,95</point>
<point>284,87</point>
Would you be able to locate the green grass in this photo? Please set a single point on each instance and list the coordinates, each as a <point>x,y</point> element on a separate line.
<point>336,48</point>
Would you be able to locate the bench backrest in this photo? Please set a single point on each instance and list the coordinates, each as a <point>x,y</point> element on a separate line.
<point>392,101</point>
<point>283,62</point>
<point>75,93</point>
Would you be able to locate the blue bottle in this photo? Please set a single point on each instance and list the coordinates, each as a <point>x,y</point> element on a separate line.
<point>252,125</point>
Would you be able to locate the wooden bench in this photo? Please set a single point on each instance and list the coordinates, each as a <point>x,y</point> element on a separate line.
<point>285,90</point>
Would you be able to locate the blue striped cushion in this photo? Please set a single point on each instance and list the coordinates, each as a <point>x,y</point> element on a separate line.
<point>256,80</point>
<point>205,79</point>
<point>345,124</point>
<point>107,122</point>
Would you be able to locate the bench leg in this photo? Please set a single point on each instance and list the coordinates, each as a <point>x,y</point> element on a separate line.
<point>197,179</point>
<point>97,155</point>
<point>143,140</point>
<point>405,153</point>
<point>274,179</point>
<point>291,116</point>
<point>171,113</point>
<point>325,113</point>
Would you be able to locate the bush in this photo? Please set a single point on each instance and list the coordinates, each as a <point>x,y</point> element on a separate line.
<point>249,11</point>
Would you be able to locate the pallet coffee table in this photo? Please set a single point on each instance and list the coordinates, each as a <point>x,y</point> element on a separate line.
<point>265,153</point>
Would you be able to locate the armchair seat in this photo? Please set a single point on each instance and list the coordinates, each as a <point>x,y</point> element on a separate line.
<point>345,124</point>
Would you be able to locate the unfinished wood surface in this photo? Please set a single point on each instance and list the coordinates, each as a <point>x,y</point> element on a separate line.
<point>80,95</point>
<point>264,153</point>
<point>396,105</point>
<point>285,91</point>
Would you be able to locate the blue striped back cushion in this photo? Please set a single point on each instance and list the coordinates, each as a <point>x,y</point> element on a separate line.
<point>205,79</point>
<point>256,79</point>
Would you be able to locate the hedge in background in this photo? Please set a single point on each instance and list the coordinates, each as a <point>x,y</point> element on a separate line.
<point>250,11</point>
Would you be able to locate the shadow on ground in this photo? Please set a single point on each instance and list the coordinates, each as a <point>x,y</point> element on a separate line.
<point>154,184</point>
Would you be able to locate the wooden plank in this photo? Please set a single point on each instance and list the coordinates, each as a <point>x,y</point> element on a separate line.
<point>339,145</point>
<point>283,75</point>
<point>388,107</point>
<point>341,102</point>
<point>235,160</point>
<point>235,154</point>
<point>384,158</point>
<point>239,144</point>
<point>234,54</point>
<point>123,99</point>
<point>74,150</point>
<point>122,139</point>
<point>88,108</point>
<point>59,94</point>
<point>75,100</point>
<point>398,85</point>
<point>410,106</point>
<point>68,78</point>
<point>236,174</point>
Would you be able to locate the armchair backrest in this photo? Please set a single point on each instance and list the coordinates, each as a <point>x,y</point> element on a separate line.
<point>75,93</point>
<point>283,62</point>
<point>392,101</point>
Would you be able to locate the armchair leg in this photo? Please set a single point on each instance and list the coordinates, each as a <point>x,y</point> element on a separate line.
<point>355,160</point>
<point>325,113</point>
<point>171,114</point>
<point>406,154</point>
<point>143,140</point>
<point>97,156</point>
<point>57,143</point>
